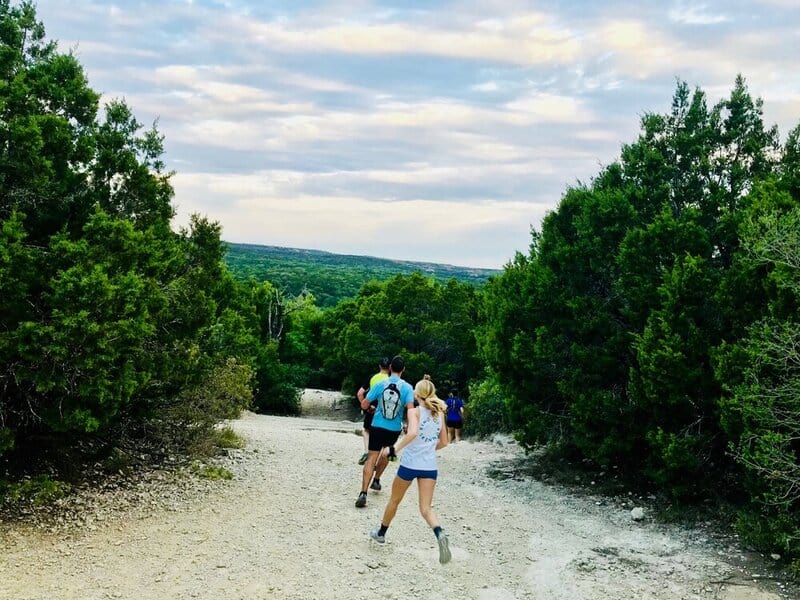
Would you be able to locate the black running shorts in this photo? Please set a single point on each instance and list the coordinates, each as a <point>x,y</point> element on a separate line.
<point>380,438</point>
<point>368,419</point>
<point>454,424</point>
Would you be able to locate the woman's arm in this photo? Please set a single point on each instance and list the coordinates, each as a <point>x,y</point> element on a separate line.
<point>413,430</point>
<point>444,439</point>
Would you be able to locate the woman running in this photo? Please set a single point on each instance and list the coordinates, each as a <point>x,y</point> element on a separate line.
<point>426,434</point>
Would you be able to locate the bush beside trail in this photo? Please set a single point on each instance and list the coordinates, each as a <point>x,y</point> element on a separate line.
<point>652,324</point>
<point>115,331</point>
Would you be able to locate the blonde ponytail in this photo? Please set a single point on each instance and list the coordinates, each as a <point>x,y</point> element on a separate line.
<point>427,393</point>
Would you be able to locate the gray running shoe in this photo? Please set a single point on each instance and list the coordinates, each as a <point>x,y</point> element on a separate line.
<point>361,502</point>
<point>363,458</point>
<point>376,485</point>
<point>375,536</point>
<point>444,549</point>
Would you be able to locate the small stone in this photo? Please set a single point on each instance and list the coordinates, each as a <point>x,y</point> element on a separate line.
<point>775,556</point>
<point>637,514</point>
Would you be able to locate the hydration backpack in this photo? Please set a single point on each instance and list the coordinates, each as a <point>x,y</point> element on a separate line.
<point>390,401</point>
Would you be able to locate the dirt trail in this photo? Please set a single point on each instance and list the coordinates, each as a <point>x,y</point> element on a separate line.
<point>286,527</point>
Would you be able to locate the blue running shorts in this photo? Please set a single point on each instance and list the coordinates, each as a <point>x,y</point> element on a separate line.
<point>410,474</point>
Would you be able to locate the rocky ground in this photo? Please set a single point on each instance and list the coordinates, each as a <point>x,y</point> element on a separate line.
<point>286,527</point>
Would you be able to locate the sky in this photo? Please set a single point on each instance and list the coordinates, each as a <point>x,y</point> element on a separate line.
<point>416,130</point>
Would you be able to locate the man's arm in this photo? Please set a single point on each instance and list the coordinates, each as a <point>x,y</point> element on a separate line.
<point>412,413</point>
<point>362,399</point>
<point>372,394</point>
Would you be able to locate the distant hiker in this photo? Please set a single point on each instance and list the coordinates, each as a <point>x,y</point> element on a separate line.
<point>394,397</point>
<point>426,435</point>
<point>369,407</point>
<point>455,417</point>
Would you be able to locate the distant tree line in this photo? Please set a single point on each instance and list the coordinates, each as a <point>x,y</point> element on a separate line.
<point>331,278</point>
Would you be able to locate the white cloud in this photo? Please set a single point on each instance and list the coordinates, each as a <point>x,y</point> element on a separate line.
<point>694,14</point>
<point>550,108</point>
<point>789,4</point>
<point>286,182</point>
<point>523,40</point>
<point>251,212</point>
<point>213,116</point>
<point>638,49</point>
<point>90,47</point>
<point>488,86</point>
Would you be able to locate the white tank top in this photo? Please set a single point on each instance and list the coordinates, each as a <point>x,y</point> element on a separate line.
<point>420,454</point>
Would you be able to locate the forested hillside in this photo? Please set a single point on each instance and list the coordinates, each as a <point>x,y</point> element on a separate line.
<point>332,277</point>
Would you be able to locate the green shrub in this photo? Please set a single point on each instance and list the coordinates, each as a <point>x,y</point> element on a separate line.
<point>487,412</point>
<point>762,414</point>
<point>38,491</point>
<point>188,421</point>
<point>275,392</point>
<point>228,438</point>
<point>212,472</point>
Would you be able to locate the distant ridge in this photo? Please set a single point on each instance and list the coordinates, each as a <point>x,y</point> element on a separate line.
<point>329,276</point>
<point>282,250</point>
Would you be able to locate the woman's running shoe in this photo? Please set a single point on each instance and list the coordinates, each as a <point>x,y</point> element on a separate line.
<point>444,549</point>
<point>374,534</point>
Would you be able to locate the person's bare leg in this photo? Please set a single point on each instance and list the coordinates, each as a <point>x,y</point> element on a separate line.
<point>365,437</point>
<point>369,469</point>
<point>451,433</point>
<point>458,434</point>
<point>380,467</point>
<point>399,488</point>
<point>426,487</point>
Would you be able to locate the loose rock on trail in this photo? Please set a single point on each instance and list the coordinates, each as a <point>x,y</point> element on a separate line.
<point>286,527</point>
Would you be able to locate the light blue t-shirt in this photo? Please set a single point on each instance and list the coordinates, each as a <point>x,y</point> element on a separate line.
<point>393,395</point>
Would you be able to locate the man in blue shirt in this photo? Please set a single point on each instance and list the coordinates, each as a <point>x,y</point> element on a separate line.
<point>394,397</point>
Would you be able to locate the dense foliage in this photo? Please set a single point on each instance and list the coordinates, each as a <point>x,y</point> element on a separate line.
<point>429,323</point>
<point>761,413</point>
<point>331,278</point>
<point>112,326</point>
<point>638,311</point>
<point>486,412</point>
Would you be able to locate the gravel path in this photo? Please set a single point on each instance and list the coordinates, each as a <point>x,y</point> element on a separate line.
<point>286,527</point>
